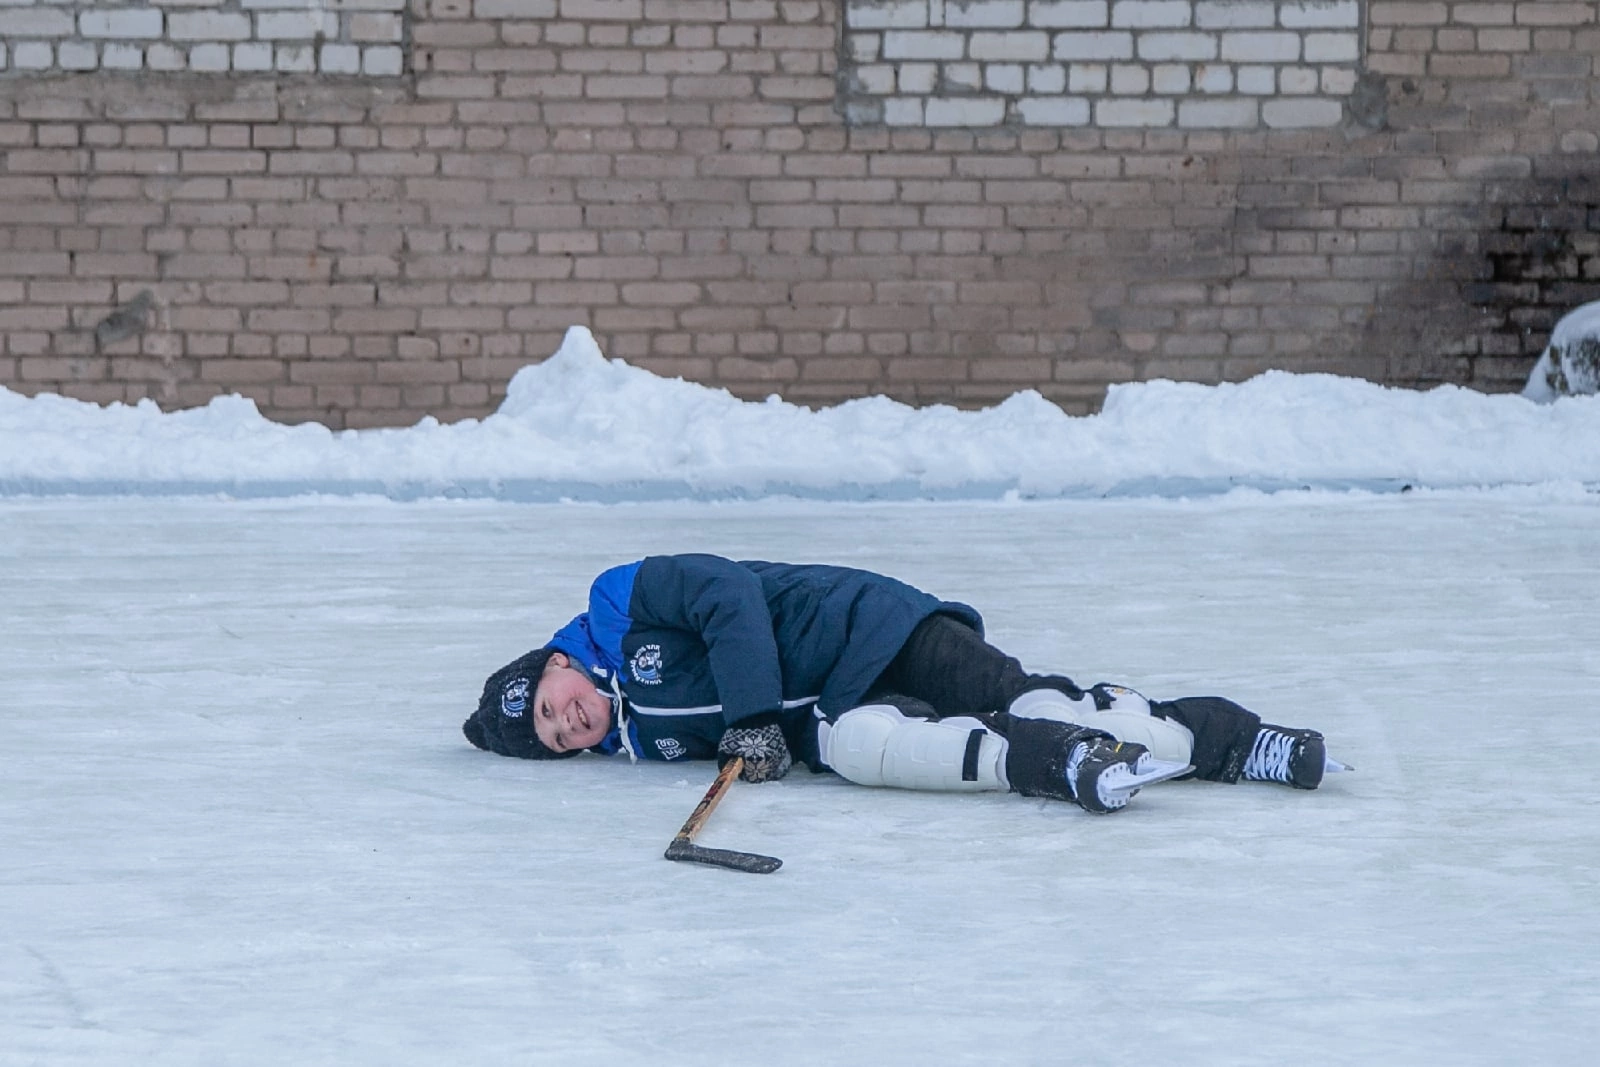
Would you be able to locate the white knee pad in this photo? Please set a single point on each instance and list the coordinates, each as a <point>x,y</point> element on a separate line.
<point>876,745</point>
<point>1127,719</point>
<point>1166,740</point>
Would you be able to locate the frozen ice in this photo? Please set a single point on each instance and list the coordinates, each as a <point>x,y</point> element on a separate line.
<point>241,825</point>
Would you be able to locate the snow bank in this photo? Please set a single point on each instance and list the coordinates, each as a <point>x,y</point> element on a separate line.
<point>581,426</point>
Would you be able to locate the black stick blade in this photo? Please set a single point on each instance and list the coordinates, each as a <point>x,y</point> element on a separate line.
<point>749,862</point>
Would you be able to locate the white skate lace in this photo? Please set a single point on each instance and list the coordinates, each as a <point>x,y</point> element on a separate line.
<point>1269,757</point>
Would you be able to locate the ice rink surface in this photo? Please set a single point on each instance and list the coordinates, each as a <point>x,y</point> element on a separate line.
<point>241,826</point>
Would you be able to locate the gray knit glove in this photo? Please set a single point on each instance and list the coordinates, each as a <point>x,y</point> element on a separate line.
<point>760,742</point>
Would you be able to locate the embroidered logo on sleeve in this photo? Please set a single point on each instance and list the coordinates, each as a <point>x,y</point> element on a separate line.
<point>671,748</point>
<point>514,698</point>
<point>646,665</point>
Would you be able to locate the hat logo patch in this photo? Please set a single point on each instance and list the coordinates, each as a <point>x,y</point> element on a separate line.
<point>671,747</point>
<point>514,698</point>
<point>645,666</point>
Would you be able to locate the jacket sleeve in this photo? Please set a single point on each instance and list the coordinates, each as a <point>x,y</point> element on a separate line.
<point>723,604</point>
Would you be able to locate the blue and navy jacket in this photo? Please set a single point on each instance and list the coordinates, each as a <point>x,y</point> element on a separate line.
<point>689,645</point>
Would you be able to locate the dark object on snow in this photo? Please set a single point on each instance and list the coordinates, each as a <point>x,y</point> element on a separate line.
<point>503,722</point>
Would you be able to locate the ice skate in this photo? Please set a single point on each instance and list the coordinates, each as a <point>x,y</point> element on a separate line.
<point>1104,774</point>
<point>1294,757</point>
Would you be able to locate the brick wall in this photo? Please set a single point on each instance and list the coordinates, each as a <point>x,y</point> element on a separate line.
<point>718,189</point>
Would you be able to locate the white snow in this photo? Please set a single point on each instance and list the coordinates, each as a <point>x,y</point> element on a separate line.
<point>241,825</point>
<point>1567,366</point>
<point>580,426</point>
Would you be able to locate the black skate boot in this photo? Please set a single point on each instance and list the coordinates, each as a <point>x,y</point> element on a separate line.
<point>1104,773</point>
<point>1294,757</point>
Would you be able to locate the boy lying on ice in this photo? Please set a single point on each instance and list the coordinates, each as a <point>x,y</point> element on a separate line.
<point>700,657</point>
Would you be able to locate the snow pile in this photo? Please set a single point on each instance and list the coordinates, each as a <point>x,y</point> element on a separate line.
<point>581,426</point>
<point>1570,363</point>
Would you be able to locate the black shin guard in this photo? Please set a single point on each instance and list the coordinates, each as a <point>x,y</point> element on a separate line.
<point>1036,763</point>
<point>1223,733</point>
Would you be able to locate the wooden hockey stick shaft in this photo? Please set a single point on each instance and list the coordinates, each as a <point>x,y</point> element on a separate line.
<point>684,848</point>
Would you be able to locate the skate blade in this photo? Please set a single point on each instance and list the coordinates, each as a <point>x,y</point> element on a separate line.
<point>1117,794</point>
<point>1156,771</point>
<point>1333,766</point>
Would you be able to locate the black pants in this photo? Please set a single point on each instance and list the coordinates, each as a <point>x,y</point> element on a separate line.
<point>946,668</point>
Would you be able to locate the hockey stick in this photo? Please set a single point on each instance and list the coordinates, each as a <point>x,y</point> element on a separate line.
<point>684,848</point>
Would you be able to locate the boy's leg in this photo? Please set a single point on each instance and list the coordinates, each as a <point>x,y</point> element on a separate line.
<point>951,667</point>
<point>878,745</point>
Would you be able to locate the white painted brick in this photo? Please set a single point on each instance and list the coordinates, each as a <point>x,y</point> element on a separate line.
<point>902,111</point>
<point>863,47</point>
<point>1148,14</point>
<point>339,59</point>
<point>1003,77</point>
<point>140,23</point>
<point>33,55</point>
<point>964,111</point>
<point>1217,114</point>
<point>1133,113</point>
<point>208,26</point>
<point>514,9</point>
<point>208,57</point>
<point>1088,77</point>
<point>984,14</point>
<point>1301,113</point>
<point>384,61</point>
<point>1258,81</point>
<point>371,29</point>
<point>252,56</point>
<point>1187,45</point>
<point>1170,78</point>
<point>1214,78</point>
<point>1054,111</point>
<point>35,23</point>
<point>1017,47</point>
<point>296,58</point>
<point>1129,80</point>
<point>1047,78</point>
<point>77,55</point>
<point>887,15</point>
<point>1338,81</point>
<point>296,25</point>
<point>1298,81</point>
<point>863,111</point>
<point>164,56</point>
<point>1321,13</point>
<point>918,78</point>
<point>1261,47</point>
<point>928,44</point>
<point>1332,48</point>
<point>1109,45</point>
<point>119,55</point>
<point>963,75</point>
<point>1235,14</point>
<point>876,78</point>
<point>1073,14</point>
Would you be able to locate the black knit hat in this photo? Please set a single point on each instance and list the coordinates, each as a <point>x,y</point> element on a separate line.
<point>503,722</point>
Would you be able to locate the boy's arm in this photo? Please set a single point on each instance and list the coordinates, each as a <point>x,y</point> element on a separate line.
<point>721,603</point>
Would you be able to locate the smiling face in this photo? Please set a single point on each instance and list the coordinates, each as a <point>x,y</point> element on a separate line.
<point>569,713</point>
